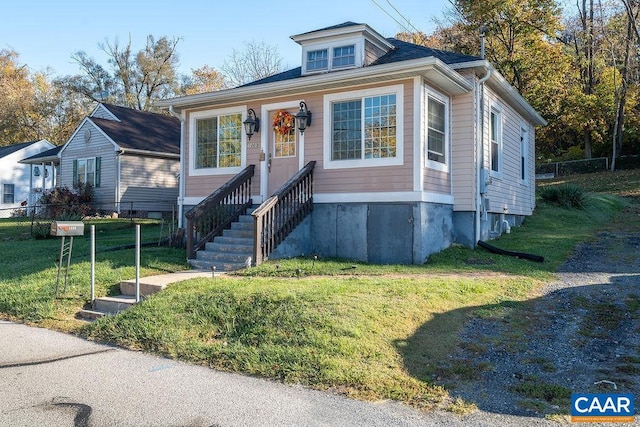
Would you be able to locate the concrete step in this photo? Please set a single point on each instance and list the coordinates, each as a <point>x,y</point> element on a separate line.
<point>90,314</point>
<point>238,233</point>
<point>245,226</point>
<point>115,304</point>
<point>225,257</point>
<point>221,267</point>
<point>246,218</point>
<point>128,287</point>
<point>217,246</point>
<point>239,241</point>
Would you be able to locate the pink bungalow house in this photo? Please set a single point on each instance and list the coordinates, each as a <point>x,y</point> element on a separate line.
<point>373,149</point>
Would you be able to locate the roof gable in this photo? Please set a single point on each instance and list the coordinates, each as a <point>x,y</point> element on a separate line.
<point>10,149</point>
<point>140,130</point>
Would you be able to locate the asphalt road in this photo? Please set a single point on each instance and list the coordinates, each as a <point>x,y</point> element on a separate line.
<point>52,379</point>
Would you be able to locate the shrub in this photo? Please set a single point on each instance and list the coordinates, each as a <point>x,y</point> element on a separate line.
<point>567,195</point>
<point>41,230</point>
<point>65,203</point>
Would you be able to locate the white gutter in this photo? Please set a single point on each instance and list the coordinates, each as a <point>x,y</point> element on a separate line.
<point>480,151</point>
<point>504,89</point>
<point>181,180</point>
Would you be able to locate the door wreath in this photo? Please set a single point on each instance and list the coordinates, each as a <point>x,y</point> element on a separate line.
<point>283,122</point>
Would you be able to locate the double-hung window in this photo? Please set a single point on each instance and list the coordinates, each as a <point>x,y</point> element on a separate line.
<point>332,57</point>
<point>437,131</point>
<point>317,60</point>
<point>87,171</point>
<point>344,56</point>
<point>495,132</point>
<point>218,141</point>
<point>8,193</point>
<point>364,128</point>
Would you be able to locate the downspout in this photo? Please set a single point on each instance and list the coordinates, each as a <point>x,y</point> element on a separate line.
<point>480,156</point>
<point>181,180</point>
<point>119,152</point>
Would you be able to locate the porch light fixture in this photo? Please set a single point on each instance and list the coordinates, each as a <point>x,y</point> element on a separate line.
<point>303,118</point>
<point>36,171</point>
<point>252,124</point>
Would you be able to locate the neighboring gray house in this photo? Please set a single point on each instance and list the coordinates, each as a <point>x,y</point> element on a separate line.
<point>17,179</point>
<point>130,157</point>
<point>410,149</point>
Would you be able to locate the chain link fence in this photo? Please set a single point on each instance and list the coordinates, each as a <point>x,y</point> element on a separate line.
<point>554,169</point>
<point>34,221</point>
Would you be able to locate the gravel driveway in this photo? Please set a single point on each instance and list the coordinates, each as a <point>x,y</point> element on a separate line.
<point>581,334</point>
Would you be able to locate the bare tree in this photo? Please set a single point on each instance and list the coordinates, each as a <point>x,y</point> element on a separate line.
<point>258,60</point>
<point>135,80</point>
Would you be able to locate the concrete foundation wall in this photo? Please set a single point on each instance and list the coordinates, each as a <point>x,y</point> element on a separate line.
<point>384,233</point>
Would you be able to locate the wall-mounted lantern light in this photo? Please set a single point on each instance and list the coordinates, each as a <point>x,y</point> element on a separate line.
<point>36,171</point>
<point>252,124</point>
<point>303,118</point>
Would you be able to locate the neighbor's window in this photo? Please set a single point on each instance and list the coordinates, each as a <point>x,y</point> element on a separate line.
<point>8,193</point>
<point>317,60</point>
<point>436,130</point>
<point>344,56</point>
<point>496,139</point>
<point>87,171</point>
<point>364,128</point>
<point>219,141</point>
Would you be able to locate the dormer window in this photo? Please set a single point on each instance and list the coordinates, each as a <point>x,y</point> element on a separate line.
<point>344,56</point>
<point>331,58</point>
<point>317,60</point>
<point>340,47</point>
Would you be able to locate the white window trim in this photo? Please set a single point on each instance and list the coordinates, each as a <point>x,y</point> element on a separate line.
<point>432,164</point>
<point>85,159</point>
<point>193,117</point>
<point>357,42</point>
<point>498,111</point>
<point>398,91</point>
<point>524,153</point>
<point>3,193</point>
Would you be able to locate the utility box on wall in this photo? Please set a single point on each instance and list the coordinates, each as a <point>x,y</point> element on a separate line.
<point>67,228</point>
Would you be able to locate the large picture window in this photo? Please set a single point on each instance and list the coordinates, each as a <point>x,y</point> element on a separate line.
<point>364,128</point>
<point>218,141</point>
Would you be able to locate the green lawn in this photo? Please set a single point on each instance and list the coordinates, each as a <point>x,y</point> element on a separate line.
<point>29,268</point>
<point>367,331</point>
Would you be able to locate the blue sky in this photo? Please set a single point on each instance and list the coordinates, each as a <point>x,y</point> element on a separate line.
<point>46,33</point>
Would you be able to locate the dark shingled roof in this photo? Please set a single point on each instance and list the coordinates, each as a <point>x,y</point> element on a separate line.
<point>141,130</point>
<point>49,153</point>
<point>403,51</point>
<point>333,27</point>
<point>10,149</point>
